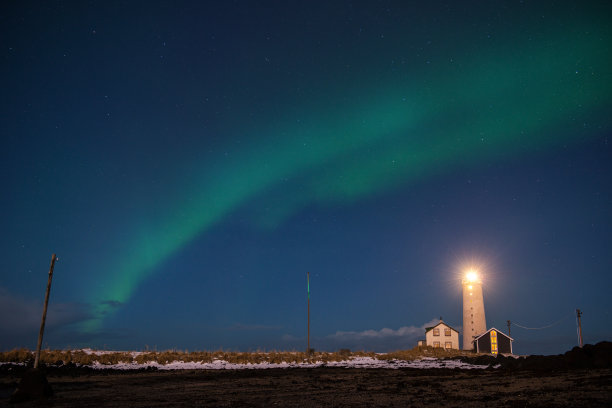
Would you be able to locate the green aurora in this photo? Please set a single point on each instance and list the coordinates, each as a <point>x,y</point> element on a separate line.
<point>525,97</point>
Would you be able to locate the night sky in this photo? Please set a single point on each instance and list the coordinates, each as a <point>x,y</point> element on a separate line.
<point>189,163</point>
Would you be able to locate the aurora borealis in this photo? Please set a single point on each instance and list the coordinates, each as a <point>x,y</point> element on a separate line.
<point>182,159</point>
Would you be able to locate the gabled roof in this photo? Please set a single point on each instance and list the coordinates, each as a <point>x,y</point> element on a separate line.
<point>441,322</point>
<point>498,332</point>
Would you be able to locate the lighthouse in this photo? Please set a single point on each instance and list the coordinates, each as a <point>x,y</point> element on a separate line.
<point>474,322</point>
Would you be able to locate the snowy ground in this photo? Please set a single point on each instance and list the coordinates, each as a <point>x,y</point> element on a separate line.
<point>359,362</point>
<point>351,362</point>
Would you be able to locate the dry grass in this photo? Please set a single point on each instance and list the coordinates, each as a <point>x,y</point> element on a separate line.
<point>425,351</point>
<point>81,357</point>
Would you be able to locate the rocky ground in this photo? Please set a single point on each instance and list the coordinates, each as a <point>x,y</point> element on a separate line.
<point>580,378</point>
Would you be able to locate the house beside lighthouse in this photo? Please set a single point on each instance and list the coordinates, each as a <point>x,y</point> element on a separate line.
<point>493,342</point>
<point>442,336</point>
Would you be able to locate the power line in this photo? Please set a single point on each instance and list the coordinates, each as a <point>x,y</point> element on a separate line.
<point>544,327</point>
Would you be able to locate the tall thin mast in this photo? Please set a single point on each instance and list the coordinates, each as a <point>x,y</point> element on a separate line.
<point>308,290</point>
<point>578,315</point>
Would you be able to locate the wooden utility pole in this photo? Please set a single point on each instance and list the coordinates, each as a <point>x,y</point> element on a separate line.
<point>44,315</point>
<point>578,314</point>
<point>308,289</point>
<point>509,323</point>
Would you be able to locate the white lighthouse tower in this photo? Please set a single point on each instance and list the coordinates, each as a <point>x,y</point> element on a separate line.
<point>474,322</point>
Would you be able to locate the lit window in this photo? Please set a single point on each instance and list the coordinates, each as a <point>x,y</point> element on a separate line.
<point>436,344</point>
<point>493,342</point>
<point>447,332</point>
<point>448,345</point>
<point>436,332</point>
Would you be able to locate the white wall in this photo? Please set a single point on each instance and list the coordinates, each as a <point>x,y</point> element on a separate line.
<point>453,338</point>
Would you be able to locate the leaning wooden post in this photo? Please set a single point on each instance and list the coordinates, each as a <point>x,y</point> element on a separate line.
<point>44,315</point>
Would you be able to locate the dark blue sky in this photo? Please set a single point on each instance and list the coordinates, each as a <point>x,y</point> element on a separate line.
<point>190,163</point>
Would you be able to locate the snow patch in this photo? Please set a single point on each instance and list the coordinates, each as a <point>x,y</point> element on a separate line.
<point>358,362</point>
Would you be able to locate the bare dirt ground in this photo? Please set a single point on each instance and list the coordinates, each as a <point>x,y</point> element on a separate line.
<point>321,387</point>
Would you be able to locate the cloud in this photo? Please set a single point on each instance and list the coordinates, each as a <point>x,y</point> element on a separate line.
<point>20,314</point>
<point>112,303</point>
<point>406,331</point>
<point>20,318</point>
<point>252,327</point>
<point>382,340</point>
<point>291,337</point>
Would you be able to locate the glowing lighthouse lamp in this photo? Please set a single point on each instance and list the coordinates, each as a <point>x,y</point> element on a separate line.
<point>474,322</point>
<point>471,276</point>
